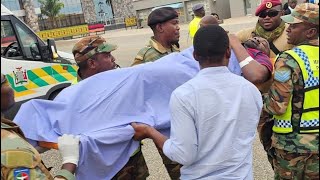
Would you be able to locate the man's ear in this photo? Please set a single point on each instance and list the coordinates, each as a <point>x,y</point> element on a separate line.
<point>312,32</point>
<point>228,53</point>
<point>195,56</point>
<point>159,27</point>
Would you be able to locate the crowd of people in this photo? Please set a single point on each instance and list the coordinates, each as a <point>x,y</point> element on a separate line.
<point>265,79</point>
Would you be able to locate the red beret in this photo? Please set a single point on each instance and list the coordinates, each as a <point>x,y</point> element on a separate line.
<point>267,4</point>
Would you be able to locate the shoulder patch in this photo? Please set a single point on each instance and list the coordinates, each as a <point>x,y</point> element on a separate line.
<point>21,173</point>
<point>283,74</point>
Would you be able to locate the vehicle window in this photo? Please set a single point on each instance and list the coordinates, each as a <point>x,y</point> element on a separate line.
<point>29,42</point>
<point>8,38</point>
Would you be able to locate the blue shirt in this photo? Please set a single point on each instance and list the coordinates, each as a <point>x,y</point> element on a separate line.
<point>214,117</point>
<point>101,108</point>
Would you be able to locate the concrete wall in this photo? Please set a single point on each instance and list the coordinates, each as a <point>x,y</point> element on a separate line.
<point>222,8</point>
<point>88,11</point>
<point>239,8</point>
<point>123,8</point>
<point>145,4</point>
<point>143,8</point>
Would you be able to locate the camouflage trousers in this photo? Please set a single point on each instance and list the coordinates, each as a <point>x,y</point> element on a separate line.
<point>295,166</point>
<point>265,133</point>
<point>135,169</point>
<point>172,167</point>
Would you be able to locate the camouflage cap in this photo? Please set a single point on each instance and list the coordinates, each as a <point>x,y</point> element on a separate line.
<point>89,46</point>
<point>305,12</point>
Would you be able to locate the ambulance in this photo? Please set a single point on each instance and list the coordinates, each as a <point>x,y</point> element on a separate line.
<point>34,68</point>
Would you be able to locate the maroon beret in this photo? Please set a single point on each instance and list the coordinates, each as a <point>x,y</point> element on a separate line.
<point>267,4</point>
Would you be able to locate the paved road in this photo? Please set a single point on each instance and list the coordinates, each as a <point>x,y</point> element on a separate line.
<point>130,42</point>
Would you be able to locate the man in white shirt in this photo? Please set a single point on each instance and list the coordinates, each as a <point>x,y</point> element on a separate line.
<point>214,116</point>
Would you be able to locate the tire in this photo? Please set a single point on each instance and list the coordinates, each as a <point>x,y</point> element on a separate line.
<point>54,94</point>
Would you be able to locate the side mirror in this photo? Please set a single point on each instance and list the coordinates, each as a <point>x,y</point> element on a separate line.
<point>45,52</point>
<point>53,48</point>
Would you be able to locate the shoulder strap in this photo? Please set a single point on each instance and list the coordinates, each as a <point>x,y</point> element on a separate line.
<point>39,163</point>
<point>13,127</point>
<point>274,48</point>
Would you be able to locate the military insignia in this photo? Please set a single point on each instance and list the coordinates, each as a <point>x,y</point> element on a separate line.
<point>269,5</point>
<point>21,174</point>
<point>20,77</point>
<point>282,75</point>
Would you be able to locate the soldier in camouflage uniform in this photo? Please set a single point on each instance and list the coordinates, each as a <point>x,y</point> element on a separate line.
<point>19,159</point>
<point>164,23</point>
<point>293,99</point>
<point>93,55</point>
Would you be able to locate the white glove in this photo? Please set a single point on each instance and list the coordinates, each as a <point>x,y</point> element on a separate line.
<point>69,148</point>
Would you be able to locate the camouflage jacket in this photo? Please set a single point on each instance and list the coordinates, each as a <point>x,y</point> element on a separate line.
<point>153,51</point>
<point>12,139</point>
<point>276,103</point>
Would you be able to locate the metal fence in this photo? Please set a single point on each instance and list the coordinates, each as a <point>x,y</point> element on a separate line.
<point>78,19</point>
<point>61,21</point>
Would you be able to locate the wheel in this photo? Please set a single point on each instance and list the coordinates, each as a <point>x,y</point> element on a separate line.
<point>54,94</point>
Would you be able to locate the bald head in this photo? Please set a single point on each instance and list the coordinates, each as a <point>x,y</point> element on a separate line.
<point>208,20</point>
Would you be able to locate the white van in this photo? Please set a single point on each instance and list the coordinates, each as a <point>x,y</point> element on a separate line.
<point>34,69</point>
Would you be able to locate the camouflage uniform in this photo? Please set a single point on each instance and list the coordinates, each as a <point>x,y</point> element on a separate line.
<point>135,169</point>
<point>16,153</point>
<point>153,51</point>
<point>296,156</point>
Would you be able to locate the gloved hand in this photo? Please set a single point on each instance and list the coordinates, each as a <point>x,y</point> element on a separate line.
<point>69,148</point>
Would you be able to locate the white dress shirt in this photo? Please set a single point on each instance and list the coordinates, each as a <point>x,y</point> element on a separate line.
<point>213,125</point>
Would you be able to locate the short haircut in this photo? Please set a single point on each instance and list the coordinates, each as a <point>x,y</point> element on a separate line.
<point>153,27</point>
<point>211,43</point>
<point>215,14</point>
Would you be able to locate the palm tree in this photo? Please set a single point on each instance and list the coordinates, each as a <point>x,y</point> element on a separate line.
<point>51,8</point>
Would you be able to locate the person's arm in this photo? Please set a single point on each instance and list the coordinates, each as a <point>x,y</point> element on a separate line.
<point>254,71</point>
<point>69,150</point>
<point>277,99</point>
<point>182,146</point>
<point>143,131</point>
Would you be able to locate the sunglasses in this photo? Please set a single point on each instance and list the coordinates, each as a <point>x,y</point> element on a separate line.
<point>89,47</point>
<point>264,14</point>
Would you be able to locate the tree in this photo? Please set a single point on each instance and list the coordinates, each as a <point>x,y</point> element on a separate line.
<point>51,8</point>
